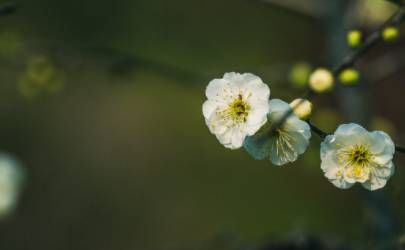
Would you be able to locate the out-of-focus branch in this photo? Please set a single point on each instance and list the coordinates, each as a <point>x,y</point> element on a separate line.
<point>370,42</point>
<point>349,59</point>
<point>383,67</point>
<point>398,2</point>
<point>125,62</point>
<point>308,8</point>
<point>7,8</point>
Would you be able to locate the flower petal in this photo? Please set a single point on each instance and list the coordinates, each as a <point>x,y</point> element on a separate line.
<point>384,171</point>
<point>281,152</point>
<point>257,116</point>
<point>374,183</point>
<point>215,87</point>
<point>277,105</point>
<point>334,172</point>
<point>351,134</point>
<point>383,147</point>
<point>257,147</point>
<point>209,108</point>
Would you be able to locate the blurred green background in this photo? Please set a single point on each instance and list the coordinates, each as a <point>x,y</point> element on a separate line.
<point>101,101</point>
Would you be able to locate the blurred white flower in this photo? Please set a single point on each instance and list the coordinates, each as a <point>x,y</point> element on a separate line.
<point>237,106</point>
<point>352,154</point>
<point>11,177</point>
<point>284,144</point>
<point>370,13</point>
<point>321,80</point>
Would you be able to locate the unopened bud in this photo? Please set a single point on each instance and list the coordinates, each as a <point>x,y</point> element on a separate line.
<point>354,38</point>
<point>390,34</point>
<point>302,108</point>
<point>349,76</point>
<point>321,80</point>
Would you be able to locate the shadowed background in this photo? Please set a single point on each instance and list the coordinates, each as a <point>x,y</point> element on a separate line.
<point>120,157</point>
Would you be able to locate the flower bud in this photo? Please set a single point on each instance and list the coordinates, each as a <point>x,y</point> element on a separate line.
<point>299,74</point>
<point>321,80</point>
<point>302,108</point>
<point>349,76</point>
<point>390,34</point>
<point>354,38</point>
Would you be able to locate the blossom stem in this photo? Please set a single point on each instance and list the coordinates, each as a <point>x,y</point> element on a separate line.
<point>400,149</point>
<point>322,134</point>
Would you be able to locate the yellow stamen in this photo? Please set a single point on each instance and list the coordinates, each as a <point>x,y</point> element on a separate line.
<point>357,159</point>
<point>238,110</point>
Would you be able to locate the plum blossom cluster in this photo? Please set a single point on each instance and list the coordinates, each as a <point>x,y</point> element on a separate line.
<point>240,113</point>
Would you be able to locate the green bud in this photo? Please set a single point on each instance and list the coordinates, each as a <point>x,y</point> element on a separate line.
<point>299,74</point>
<point>354,38</point>
<point>390,34</point>
<point>349,76</point>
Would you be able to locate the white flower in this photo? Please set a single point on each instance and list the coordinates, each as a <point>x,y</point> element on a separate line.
<point>352,154</point>
<point>302,108</point>
<point>284,144</point>
<point>11,176</point>
<point>321,80</point>
<point>237,106</point>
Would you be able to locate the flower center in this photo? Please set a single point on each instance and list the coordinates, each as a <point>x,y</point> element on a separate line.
<point>239,109</point>
<point>359,155</point>
<point>357,160</point>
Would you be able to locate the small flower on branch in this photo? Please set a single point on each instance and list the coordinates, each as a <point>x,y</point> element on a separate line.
<point>284,144</point>
<point>352,154</point>
<point>237,107</point>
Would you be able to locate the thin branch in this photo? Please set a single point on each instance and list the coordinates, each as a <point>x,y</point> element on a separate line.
<point>370,42</point>
<point>309,8</point>
<point>322,134</point>
<point>400,149</point>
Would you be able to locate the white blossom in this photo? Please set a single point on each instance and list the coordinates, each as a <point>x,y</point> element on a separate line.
<point>11,176</point>
<point>282,144</point>
<point>352,154</point>
<point>236,107</point>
